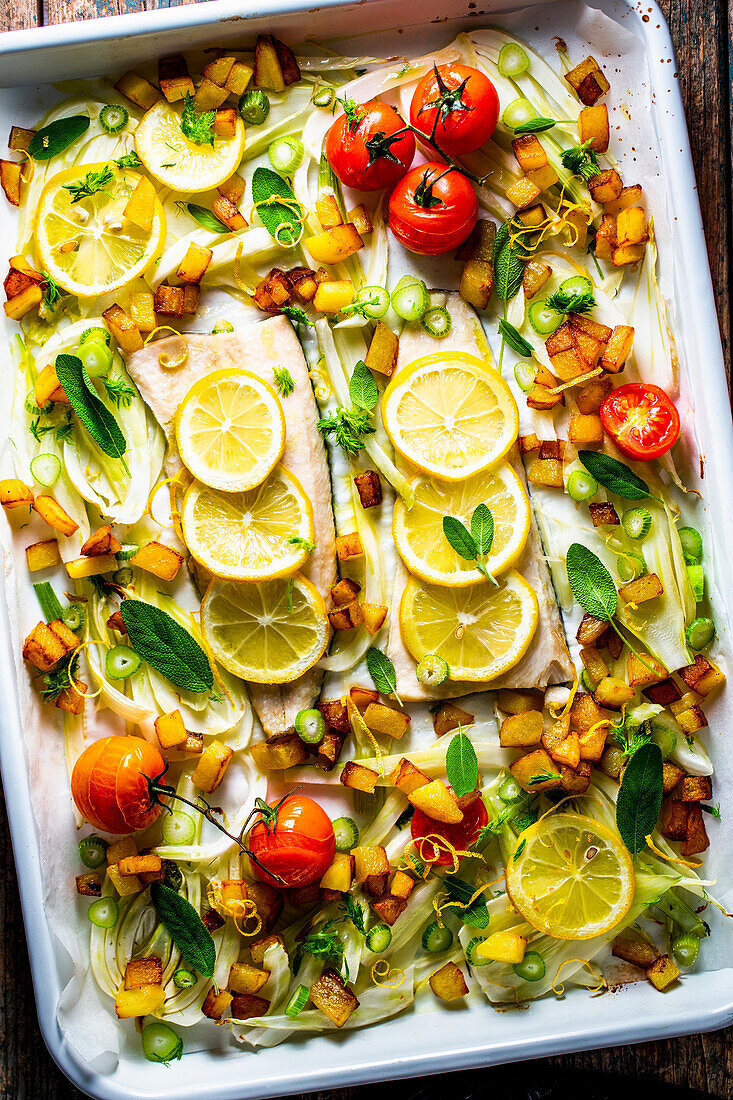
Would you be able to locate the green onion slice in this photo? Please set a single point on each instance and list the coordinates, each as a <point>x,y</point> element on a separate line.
<point>517,113</point>
<point>103,913</point>
<point>286,154</point>
<point>582,485</point>
<point>121,661</point>
<point>410,298</point>
<point>700,633</point>
<point>93,851</point>
<point>437,322</point>
<point>512,61</point>
<point>310,726</point>
<point>297,1002</point>
<point>113,118</point>
<point>379,938</point>
<point>637,523</point>
<point>691,545</point>
<point>45,469</point>
<point>161,1043</point>
<point>254,107</point>
<point>178,828</point>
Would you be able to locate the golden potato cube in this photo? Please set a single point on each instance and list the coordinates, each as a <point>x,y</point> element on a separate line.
<point>345,592</point>
<point>244,978</point>
<point>239,77</point>
<point>170,301</point>
<point>101,541</point>
<point>359,777</point>
<point>215,760</point>
<point>125,885</point>
<point>78,568</point>
<point>335,714</point>
<point>233,188</point>
<point>606,185</point>
<point>142,972</point>
<point>520,700</point>
<point>48,388</point>
<point>333,246</point>
<point>388,908</point>
<point>194,744</point>
<point>259,948</point>
<point>327,211</point>
<point>639,674</point>
<point>209,96</point>
<point>173,77</point>
<point>369,488</point>
<point>15,494</point>
<point>606,241</point>
<point>218,70</point>
<point>48,643</point>
<point>268,900</point>
<point>612,693</point>
<point>24,302</point>
<point>536,772</point>
<point>373,616</point>
<point>141,311</point>
<point>631,226</point>
<point>360,218</point>
<point>133,1003</point>
<point>695,788</point>
<point>448,983</point>
<point>279,752</point>
<point>547,177</point>
<point>662,972</point>
<point>158,559</point>
<point>594,663</point>
<point>519,730</point>
<point>369,859</point>
<point>437,802</point>
<point>54,515</point>
<point>402,885</point>
<point>375,885</point>
<point>346,617</point>
<point>628,254</point>
<point>541,399</point>
<point>340,875</point>
<point>170,730</point>
<point>407,777</point>
<point>89,885</point>
<point>192,267</point>
<point>536,274</point>
<point>671,775</point>
<point>545,471</point>
<point>10,180</point>
<point>225,122</point>
<point>642,589</point>
<point>140,208</point>
<point>701,677</point>
<point>504,947</point>
<point>382,353</point>
<point>593,87</point>
<point>20,139</point>
<point>593,127</point>
<point>138,90</point>
<point>215,1004</point>
<point>591,396</point>
<point>630,196</point>
<point>585,430</point>
<point>691,720</point>
<point>386,720</point>
<point>689,699</point>
<point>349,546</point>
<point>523,193</point>
<point>123,328</point>
<point>121,849</point>
<point>576,780</point>
<point>529,151</point>
<point>332,997</point>
<point>477,282</point>
<point>268,71</point>
<point>568,751</point>
<point>247,1005</point>
<point>577,75</point>
<point>139,865</point>
<point>449,717</point>
<point>635,952</point>
<point>332,297</point>
<point>361,697</point>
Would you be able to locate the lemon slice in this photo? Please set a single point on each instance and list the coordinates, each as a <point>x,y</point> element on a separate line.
<point>89,247</point>
<point>181,164</point>
<point>480,632</point>
<point>418,531</point>
<point>245,536</point>
<point>270,632</point>
<point>571,877</point>
<point>450,414</point>
<point>230,430</point>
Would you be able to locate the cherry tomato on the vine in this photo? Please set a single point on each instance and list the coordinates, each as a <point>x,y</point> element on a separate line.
<point>460,836</point>
<point>109,784</point>
<point>368,146</point>
<point>457,106</point>
<point>641,419</point>
<point>294,840</point>
<point>432,209</point>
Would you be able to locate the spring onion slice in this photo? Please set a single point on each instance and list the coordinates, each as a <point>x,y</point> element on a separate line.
<point>49,601</point>
<point>524,376</point>
<point>254,107</point>
<point>379,938</point>
<point>436,938</point>
<point>437,322</point>
<point>630,565</point>
<point>285,154</point>
<point>113,117</point>
<point>410,298</point>
<point>96,357</point>
<point>74,616</point>
<point>346,832</point>
<point>696,577</point>
<point>543,318</point>
<point>93,851</point>
<point>297,1002</point>
<point>178,828</point>
<point>517,113</point>
<point>637,523</point>
<point>96,332</point>
<point>691,545</point>
<point>532,967</point>
<point>510,792</point>
<point>121,661</point>
<point>45,469</point>
<point>700,633</point>
<point>371,301</point>
<point>103,913</point>
<point>513,60</point>
<point>582,485</point>
<point>161,1043</point>
<point>184,978</point>
<point>310,726</point>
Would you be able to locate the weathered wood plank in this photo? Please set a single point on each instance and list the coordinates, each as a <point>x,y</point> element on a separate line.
<point>18,15</point>
<point>63,11</point>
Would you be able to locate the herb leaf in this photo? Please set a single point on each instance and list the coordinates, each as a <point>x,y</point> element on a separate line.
<point>324,943</point>
<point>165,645</point>
<point>382,671</point>
<point>188,931</point>
<point>89,184</point>
<point>509,262</point>
<point>461,765</point>
<point>284,383</point>
<point>129,160</point>
<point>57,136</point>
<point>198,128</point>
<point>614,475</point>
<point>354,912</point>
<point>581,160</point>
<point>282,220</point>
<point>565,301</point>
<point>348,426</point>
<point>363,389</point>
<point>514,339</point>
<point>297,315</point>
<point>298,540</point>
<point>460,538</point>
<point>535,126</point>
<point>91,411</point>
<point>207,218</point>
<point>51,291</point>
<point>591,583</point>
<point>640,797</point>
<point>119,392</point>
<point>482,529</point>
<point>478,915</point>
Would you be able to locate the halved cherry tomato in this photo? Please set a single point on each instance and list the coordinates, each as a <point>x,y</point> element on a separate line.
<point>460,836</point>
<point>109,784</point>
<point>363,150</point>
<point>457,105</point>
<point>295,840</point>
<point>641,419</point>
<point>432,209</point>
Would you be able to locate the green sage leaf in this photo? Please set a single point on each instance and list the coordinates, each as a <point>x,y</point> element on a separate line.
<point>509,263</point>
<point>188,931</point>
<point>91,411</point>
<point>363,390</point>
<point>461,765</point>
<point>207,218</point>
<point>477,916</point>
<point>282,220</point>
<point>382,671</point>
<point>482,529</point>
<point>460,538</point>
<point>165,645</point>
<point>614,475</point>
<point>591,583</point>
<point>640,797</point>
<point>514,339</point>
<point>57,136</point>
<point>535,126</point>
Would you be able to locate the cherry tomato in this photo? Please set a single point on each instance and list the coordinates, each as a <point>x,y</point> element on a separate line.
<point>296,842</point>
<point>432,209</point>
<point>362,149</point>
<point>109,784</point>
<point>460,836</point>
<point>641,419</point>
<point>460,103</point>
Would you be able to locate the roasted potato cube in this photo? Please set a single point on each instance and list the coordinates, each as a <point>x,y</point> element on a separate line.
<point>664,693</point>
<point>593,127</point>
<point>279,752</point>
<point>628,254</point>
<point>192,267</point>
<point>449,717</point>
<point>369,488</point>
<point>556,733</point>
<point>71,699</point>
<point>696,840</point>
<point>691,720</point>
<point>635,952</point>
<point>448,983</point>
<point>585,430</point>
<point>479,244</point>
<point>218,70</point>
<point>259,947</point>
<point>89,885</point>
<point>519,700</point>
<point>170,730</point>
<point>191,295</point>
<point>369,859</point>
<point>140,208</point>
<point>576,780</point>
<point>382,354</point>
<point>695,788</point>
<point>591,629</point>
<point>360,778</point>
<point>158,559</point>
<point>689,699</point>
<point>174,79</point>
<point>639,674</point>
<point>504,947</point>
<point>386,720</point>
<point>349,546</point>
<point>373,615</point>
<point>631,226</point>
<point>54,515</point>
<point>209,96</point>
<point>360,217</point>
<point>138,90</point>
<point>275,64</point>
<point>268,900</point>
<point>673,824</point>
<point>402,885</point>
<point>15,494</point>
<point>407,777</point>
<point>612,693</point>
<point>333,296</point>
<point>523,193</point>
<point>642,589</point>
<point>247,1005</point>
<point>594,663</point>
<point>333,246</point>
<point>568,751</point>
<point>335,714</point>
<point>593,87</point>
<point>591,396</point>
<point>227,212</point>
<point>576,76</point>
<point>133,1003</point>
<point>142,312</point>
<point>225,123</point>
<point>603,515</point>
<point>123,328</point>
<point>24,302</point>
<point>139,865</point>
<point>101,541</point>
<point>215,760</point>
<point>121,849</point>
<point>306,897</point>
<point>544,177</point>
<point>48,388</point>
<point>520,730</point>
<point>536,274</point>
<point>606,240</point>
<point>46,644</point>
<point>244,978</point>
<point>375,885</point>
<point>332,997</point>
<point>340,875</point>
<point>663,972</point>
<point>347,617</point>
<point>436,801</point>
<point>389,908</point>
<point>630,196</point>
<point>362,697</point>
<point>233,188</point>
<point>345,592</point>
<point>701,677</point>
<point>605,186</point>
<point>545,471</point>
<point>327,211</point>
<point>528,444</point>
<point>215,1004</point>
<point>671,776</point>
<point>125,885</point>
<point>477,283</point>
<point>536,772</point>
<point>78,568</point>
<point>529,151</point>
<point>20,139</point>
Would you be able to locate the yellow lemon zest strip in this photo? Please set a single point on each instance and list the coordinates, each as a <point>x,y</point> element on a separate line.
<point>559,990</point>
<point>163,359</point>
<point>322,389</point>
<point>553,707</point>
<point>244,287</point>
<point>671,859</point>
<point>72,684</point>
<point>576,381</point>
<point>385,976</point>
<point>239,909</point>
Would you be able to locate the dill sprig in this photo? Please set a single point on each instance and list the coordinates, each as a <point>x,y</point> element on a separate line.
<point>568,301</point>
<point>51,290</point>
<point>354,912</point>
<point>130,160</point>
<point>631,739</point>
<point>297,315</point>
<point>324,943</point>
<point>94,181</point>
<point>119,392</point>
<point>284,382</point>
<point>581,160</point>
<point>198,128</point>
<point>348,426</point>
<point>59,679</point>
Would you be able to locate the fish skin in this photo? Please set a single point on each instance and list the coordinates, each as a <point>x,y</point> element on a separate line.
<point>257,348</point>
<point>547,661</point>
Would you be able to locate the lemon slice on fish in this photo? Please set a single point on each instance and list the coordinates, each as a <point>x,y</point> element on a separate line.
<point>85,241</point>
<point>179,163</point>
<point>230,430</point>
<point>259,534</point>
<point>450,414</point>
<point>571,877</point>
<point>418,531</point>
<point>480,632</point>
<point>270,632</point>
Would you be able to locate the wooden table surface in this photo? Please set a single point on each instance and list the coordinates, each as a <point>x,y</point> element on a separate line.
<point>701,30</point>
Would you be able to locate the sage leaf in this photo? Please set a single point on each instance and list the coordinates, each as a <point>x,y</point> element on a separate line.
<point>165,645</point>
<point>640,797</point>
<point>187,930</point>
<point>461,765</point>
<point>91,411</point>
<point>460,538</point>
<point>57,136</point>
<point>363,390</point>
<point>207,218</point>
<point>382,671</point>
<point>614,475</point>
<point>509,264</point>
<point>514,339</point>
<point>282,220</point>
<point>591,583</point>
<point>477,916</point>
<point>535,126</point>
<point>482,529</point>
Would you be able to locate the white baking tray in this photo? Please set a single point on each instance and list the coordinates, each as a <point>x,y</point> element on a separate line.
<point>443,1038</point>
